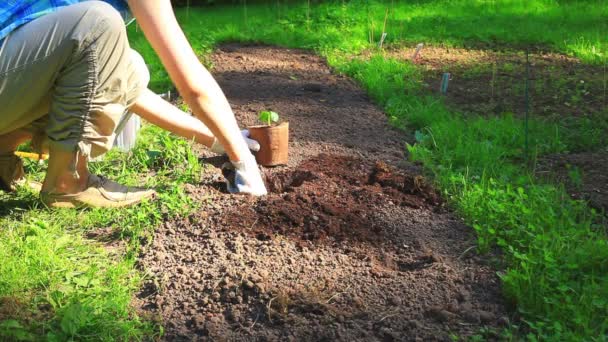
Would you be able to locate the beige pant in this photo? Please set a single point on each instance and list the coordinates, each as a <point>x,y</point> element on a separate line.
<point>70,76</point>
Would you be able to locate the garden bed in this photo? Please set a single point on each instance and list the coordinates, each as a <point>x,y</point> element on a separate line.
<point>563,91</point>
<point>489,82</point>
<point>352,242</point>
<point>584,175</point>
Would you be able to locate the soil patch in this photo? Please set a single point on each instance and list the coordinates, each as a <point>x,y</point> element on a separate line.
<point>20,309</point>
<point>487,82</point>
<point>332,199</point>
<point>490,82</point>
<point>327,113</point>
<point>351,243</point>
<point>584,175</point>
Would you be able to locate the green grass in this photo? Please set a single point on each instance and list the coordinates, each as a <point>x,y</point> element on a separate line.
<point>574,27</point>
<point>61,285</point>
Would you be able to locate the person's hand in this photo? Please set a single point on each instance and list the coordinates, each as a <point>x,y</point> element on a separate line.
<point>252,144</point>
<point>244,177</point>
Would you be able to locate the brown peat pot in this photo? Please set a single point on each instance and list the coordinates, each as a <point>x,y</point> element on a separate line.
<point>274,144</point>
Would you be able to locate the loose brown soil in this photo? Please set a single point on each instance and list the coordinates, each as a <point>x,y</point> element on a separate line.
<point>331,199</point>
<point>583,174</point>
<point>351,243</point>
<point>490,82</point>
<point>486,82</point>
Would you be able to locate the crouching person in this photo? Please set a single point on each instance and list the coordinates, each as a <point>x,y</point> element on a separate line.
<point>68,76</point>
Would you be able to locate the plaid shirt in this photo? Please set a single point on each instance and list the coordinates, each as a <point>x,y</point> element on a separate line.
<point>14,13</point>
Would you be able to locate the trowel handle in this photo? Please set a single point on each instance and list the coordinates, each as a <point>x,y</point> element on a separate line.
<point>33,156</point>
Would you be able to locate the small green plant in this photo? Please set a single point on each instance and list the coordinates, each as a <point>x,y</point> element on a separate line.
<point>575,175</point>
<point>268,117</point>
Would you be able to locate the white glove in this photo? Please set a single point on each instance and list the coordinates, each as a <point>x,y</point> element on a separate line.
<point>244,177</point>
<point>252,144</point>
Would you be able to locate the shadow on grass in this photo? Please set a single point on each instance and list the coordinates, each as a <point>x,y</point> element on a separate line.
<point>17,204</point>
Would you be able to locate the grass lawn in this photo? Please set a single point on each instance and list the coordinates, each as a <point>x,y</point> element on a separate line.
<point>60,280</point>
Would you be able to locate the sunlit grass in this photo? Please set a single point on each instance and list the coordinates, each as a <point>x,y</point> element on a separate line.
<point>579,28</point>
<point>73,287</point>
<point>68,286</point>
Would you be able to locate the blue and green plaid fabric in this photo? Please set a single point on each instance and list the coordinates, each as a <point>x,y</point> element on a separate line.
<point>14,13</point>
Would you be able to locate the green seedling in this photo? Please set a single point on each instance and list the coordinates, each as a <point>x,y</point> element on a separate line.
<point>575,175</point>
<point>268,117</point>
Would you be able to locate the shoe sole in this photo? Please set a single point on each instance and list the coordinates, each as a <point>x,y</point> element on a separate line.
<point>75,204</point>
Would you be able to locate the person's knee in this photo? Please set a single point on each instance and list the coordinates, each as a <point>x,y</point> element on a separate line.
<point>109,20</point>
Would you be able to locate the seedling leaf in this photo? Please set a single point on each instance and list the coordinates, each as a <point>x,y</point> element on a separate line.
<point>268,117</point>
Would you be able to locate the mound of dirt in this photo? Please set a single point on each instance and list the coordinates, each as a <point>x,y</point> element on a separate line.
<point>344,247</point>
<point>332,198</point>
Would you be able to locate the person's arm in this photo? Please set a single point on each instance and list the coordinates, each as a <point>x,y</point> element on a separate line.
<point>163,114</point>
<point>198,88</point>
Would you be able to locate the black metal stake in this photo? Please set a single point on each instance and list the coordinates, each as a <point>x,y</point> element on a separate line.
<point>526,146</point>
